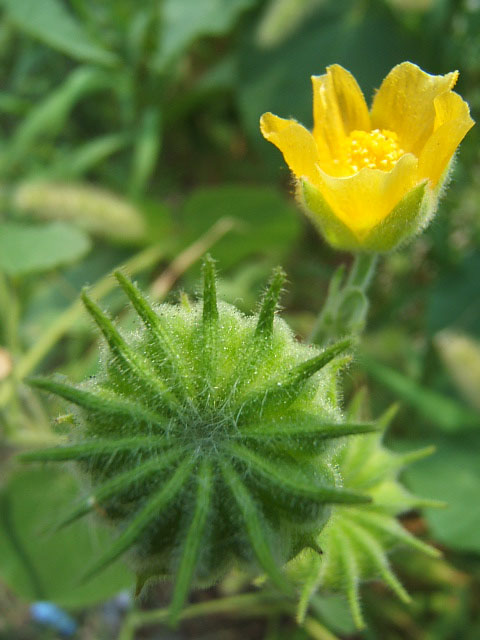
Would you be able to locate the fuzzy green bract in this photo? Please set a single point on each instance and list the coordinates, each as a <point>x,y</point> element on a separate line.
<point>357,538</point>
<point>208,439</point>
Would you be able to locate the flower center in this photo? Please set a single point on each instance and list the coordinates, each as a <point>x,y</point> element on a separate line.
<point>377,149</point>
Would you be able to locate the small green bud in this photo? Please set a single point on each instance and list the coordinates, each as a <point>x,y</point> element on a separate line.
<point>357,538</point>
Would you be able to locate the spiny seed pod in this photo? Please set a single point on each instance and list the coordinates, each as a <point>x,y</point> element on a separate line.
<point>357,538</point>
<point>208,439</point>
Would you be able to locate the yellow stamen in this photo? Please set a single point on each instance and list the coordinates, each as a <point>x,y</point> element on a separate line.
<point>377,149</point>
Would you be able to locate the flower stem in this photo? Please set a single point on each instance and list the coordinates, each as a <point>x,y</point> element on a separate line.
<point>9,315</point>
<point>246,604</point>
<point>249,604</point>
<point>345,309</point>
<point>362,270</point>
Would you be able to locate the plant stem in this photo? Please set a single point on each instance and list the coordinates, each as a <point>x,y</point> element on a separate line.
<point>162,285</point>
<point>9,314</point>
<point>362,270</point>
<point>245,604</point>
<point>317,631</point>
<point>345,309</point>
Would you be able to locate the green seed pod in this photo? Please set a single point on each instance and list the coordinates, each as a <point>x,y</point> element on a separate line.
<point>209,438</point>
<point>357,538</point>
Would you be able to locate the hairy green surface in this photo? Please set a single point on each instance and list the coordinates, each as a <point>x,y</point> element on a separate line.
<point>357,539</point>
<point>209,439</point>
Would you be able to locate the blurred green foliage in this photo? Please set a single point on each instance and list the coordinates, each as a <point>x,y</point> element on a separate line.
<point>44,564</point>
<point>129,125</point>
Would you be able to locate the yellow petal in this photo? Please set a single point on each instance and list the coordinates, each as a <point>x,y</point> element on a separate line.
<point>361,201</point>
<point>405,104</point>
<point>339,107</point>
<point>295,142</point>
<point>452,121</point>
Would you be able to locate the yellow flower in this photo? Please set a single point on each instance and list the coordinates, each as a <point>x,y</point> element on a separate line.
<point>370,179</point>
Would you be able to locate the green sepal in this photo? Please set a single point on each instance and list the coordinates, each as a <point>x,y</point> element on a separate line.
<point>191,549</point>
<point>357,538</point>
<point>411,214</point>
<point>256,527</point>
<point>335,232</point>
<point>157,329</point>
<point>285,390</point>
<point>99,401</point>
<point>290,479</point>
<point>408,218</point>
<point>264,328</point>
<point>133,362</point>
<point>147,514</point>
<point>120,482</point>
<point>209,331</point>
<point>93,448</point>
<point>301,429</point>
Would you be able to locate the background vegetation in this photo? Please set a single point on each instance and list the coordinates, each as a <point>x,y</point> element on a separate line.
<point>130,134</point>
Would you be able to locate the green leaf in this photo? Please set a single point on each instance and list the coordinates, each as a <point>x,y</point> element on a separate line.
<point>147,147</point>
<point>185,21</point>
<point>443,412</point>
<point>88,155</point>
<point>28,249</point>
<point>453,301</point>
<point>52,24</point>
<point>281,18</point>
<point>461,356</point>
<point>47,118</point>
<point>277,79</point>
<point>267,224</point>
<point>452,474</point>
<point>38,564</point>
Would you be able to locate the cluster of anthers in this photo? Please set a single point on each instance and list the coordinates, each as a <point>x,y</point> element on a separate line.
<point>376,149</point>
